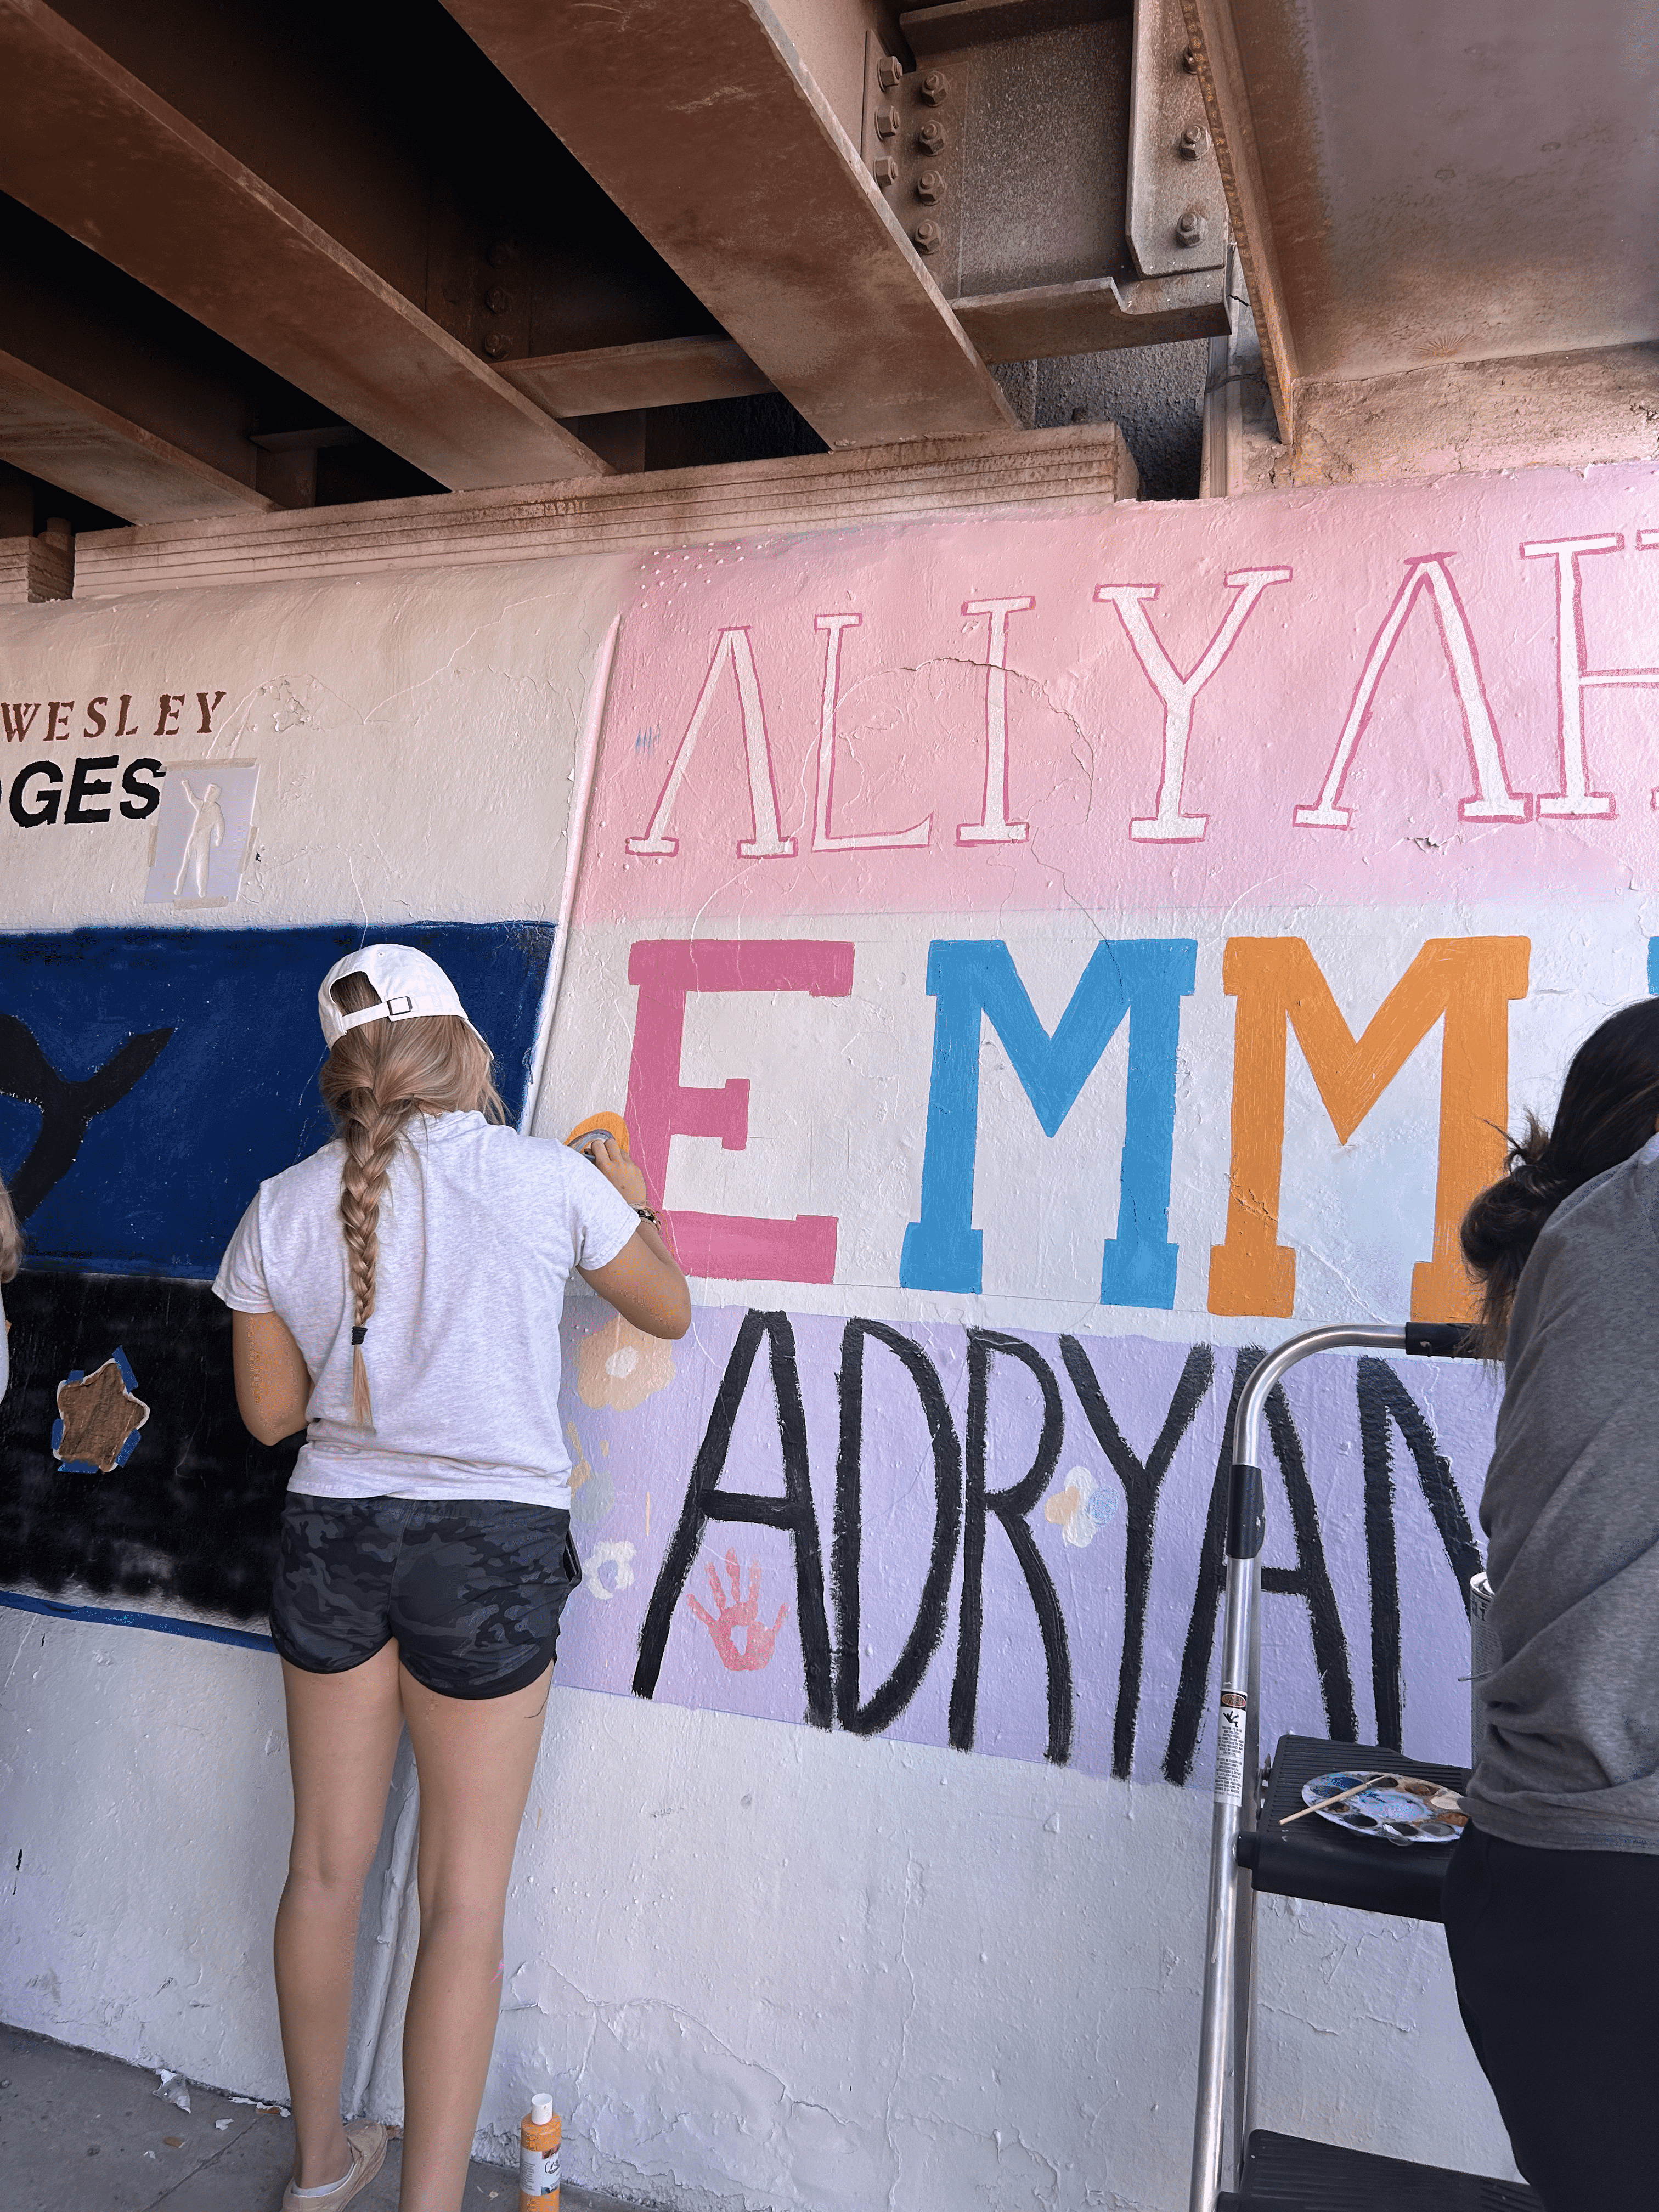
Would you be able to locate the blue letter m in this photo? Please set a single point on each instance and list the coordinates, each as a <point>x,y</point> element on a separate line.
<point>1144,979</point>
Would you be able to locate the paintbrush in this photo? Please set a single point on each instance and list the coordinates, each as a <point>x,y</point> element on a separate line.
<point>1354,1789</point>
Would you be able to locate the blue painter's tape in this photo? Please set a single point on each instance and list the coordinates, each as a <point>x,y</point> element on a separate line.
<point>1653,966</point>
<point>219,1089</point>
<point>124,1369</point>
<point>200,1631</point>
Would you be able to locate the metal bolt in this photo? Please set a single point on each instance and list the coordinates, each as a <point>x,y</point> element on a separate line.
<point>1190,228</point>
<point>887,123</point>
<point>934,87</point>
<point>1189,59</point>
<point>496,344</point>
<point>930,184</point>
<point>888,70</point>
<point>501,255</point>
<point>885,169</point>
<point>498,300</point>
<point>929,236</point>
<point>1192,143</point>
<point>931,139</point>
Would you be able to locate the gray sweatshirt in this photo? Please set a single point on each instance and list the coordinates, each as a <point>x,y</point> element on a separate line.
<point>1569,1751</point>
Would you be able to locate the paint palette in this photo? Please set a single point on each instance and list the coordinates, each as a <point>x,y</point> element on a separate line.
<point>1399,1808</point>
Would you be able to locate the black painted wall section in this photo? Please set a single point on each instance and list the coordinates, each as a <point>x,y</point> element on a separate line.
<point>193,1513</point>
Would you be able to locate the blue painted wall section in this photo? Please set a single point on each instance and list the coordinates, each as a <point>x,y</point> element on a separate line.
<point>1143,980</point>
<point>151,1079</point>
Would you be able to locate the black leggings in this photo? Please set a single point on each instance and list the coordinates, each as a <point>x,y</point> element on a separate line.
<point>1557,1959</point>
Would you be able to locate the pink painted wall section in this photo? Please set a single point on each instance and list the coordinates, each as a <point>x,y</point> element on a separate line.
<point>1386,695</point>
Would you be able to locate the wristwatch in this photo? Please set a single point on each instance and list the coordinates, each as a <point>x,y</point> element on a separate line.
<point>645,1214</point>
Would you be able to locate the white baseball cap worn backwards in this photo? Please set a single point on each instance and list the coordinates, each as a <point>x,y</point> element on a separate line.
<point>408,982</point>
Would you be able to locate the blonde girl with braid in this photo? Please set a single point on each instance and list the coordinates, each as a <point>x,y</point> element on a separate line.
<point>11,1259</point>
<point>397,1295</point>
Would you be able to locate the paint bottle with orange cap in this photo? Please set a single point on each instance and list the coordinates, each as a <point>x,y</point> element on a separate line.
<point>538,2157</point>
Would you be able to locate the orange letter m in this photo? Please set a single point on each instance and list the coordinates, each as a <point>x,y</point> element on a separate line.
<point>1469,983</point>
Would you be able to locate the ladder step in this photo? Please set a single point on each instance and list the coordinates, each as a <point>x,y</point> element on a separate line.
<point>1285,2173</point>
<point>1313,1858</point>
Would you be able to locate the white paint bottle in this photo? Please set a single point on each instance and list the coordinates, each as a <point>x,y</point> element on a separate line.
<point>538,2157</point>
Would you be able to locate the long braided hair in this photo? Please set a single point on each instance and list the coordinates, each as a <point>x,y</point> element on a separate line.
<point>11,1237</point>
<point>1609,1105</point>
<point>374,1080</point>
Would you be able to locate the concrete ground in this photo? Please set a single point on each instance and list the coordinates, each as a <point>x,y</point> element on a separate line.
<point>77,2131</point>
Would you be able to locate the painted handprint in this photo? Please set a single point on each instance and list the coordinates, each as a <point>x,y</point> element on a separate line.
<point>735,1612</point>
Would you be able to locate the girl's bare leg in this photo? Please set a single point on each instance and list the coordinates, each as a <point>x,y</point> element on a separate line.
<point>476,1757</point>
<point>343,1732</point>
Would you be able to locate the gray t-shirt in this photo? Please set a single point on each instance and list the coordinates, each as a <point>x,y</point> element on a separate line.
<point>479,1230</point>
<point>1568,1755</point>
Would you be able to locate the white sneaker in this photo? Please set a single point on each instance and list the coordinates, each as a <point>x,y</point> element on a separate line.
<point>367,2139</point>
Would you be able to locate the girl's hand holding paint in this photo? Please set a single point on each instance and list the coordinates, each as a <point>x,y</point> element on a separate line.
<point>614,1164</point>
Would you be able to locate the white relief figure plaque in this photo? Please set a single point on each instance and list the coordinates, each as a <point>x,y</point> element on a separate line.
<point>203,833</point>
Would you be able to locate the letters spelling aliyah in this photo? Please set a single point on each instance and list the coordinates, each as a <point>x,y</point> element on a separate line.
<point>1122,743</point>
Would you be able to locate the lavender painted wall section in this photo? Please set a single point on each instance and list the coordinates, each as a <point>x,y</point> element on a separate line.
<point>1090,1570</point>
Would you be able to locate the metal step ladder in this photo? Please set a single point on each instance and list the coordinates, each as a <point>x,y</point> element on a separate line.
<point>1250,1853</point>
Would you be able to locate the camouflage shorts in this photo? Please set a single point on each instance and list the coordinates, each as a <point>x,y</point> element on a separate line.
<point>472,1592</point>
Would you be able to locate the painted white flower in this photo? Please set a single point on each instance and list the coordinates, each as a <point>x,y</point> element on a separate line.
<point>618,1556</point>
<point>1082,1507</point>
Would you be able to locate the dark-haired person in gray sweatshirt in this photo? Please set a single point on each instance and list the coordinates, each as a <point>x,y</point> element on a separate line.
<point>1552,1904</point>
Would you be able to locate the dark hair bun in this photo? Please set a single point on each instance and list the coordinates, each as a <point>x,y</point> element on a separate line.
<point>1609,1104</point>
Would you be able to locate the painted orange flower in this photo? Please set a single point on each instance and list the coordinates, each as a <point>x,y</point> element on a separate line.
<point>620,1366</point>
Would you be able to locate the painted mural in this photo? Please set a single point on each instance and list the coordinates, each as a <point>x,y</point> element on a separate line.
<point>147,1085</point>
<point>1041,967</point>
<point>1041,964</point>
<point>146,1089</point>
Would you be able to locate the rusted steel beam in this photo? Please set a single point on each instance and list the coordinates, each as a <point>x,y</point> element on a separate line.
<point>57,432</point>
<point>1094,316</point>
<point>102,155</point>
<point>704,126</point>
<point>662,373</point>
<point>1221,67</point>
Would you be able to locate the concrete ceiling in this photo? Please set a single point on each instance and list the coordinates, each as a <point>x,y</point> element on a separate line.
<point>1419,182</point>
<point>353,249</point>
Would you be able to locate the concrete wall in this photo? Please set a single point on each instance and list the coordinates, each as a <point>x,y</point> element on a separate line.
<point>1004,913</point>
<point>757,1965</point>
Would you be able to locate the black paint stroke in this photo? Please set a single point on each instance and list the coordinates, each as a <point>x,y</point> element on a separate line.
<point>1142,1480</point>
<point>793,1512</point>
<point>1011,1507</point>
<point>66,1110</point>
<point>193,1513</point>
<point>1186,1721</point>
<point>1384,1405</point>
<point>1309,1580</point>
<point>927,1632</point>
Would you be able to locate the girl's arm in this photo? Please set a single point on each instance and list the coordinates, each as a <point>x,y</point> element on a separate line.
<point>643,1282</point>
<point>272,1385</point>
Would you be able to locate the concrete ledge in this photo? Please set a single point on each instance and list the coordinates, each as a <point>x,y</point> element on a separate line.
<point>1564,410</point>
<point>1067,470</point>
<point>34,568</point>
